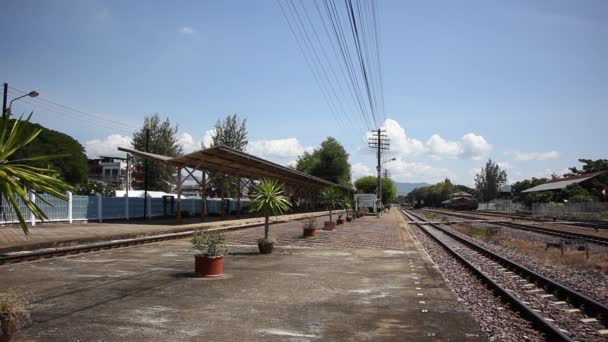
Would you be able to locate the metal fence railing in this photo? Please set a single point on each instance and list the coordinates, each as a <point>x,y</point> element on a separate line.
<point>582,211</point>
<point>99,208</point>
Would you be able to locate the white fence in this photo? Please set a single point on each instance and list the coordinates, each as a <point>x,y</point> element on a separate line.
<point>503,206</point>
<point>99,208</point>
<point>583,211</point>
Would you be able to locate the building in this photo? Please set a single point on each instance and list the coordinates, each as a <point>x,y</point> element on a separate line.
<point>563,183</point>
<point>109,170</point>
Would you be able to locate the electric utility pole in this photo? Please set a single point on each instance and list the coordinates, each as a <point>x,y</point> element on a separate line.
<point>379,140</point>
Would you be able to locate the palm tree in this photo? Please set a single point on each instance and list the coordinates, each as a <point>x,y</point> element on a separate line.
<point>269,200</point>
<point>16,178</point>
<point>331,198</point>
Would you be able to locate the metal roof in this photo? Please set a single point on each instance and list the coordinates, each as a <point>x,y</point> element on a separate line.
<point>461,194</point>
<point>230,161</point>
<point>562,183</point>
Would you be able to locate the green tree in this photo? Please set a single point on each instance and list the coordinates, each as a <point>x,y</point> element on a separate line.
<point>17,177</point>
<point>329,162</point>
<point>577,193</point>
<point>163,141</point>
<point>269,200</point>
<point>435,194</point>
<point>528,198</point>
<point>367,185</point>
<point>489,180</point>
<point>72,168</point>
<point>230,132</point>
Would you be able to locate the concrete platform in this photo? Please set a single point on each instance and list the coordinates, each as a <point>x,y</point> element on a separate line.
<point>367,281</point>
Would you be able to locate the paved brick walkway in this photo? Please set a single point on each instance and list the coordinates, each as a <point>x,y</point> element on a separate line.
<point>365,232</point>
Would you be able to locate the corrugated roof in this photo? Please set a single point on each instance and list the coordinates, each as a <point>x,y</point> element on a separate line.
<point>461,194</point>
<point>230,161</point>
<point>562,183</point>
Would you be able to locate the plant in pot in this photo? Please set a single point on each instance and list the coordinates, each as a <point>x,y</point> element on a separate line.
<point>340,219</point>
<point>347,206</point>
<point>212,245</point>
<point>268,199</point>
<point>13,312</point>
<point>310,229</point>
<point>330,197</point>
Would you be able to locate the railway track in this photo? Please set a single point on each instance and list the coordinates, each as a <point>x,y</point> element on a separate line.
<point>554,309</point>
<point>547,231</point>
<point>46,253</point>
<point>574,223</point>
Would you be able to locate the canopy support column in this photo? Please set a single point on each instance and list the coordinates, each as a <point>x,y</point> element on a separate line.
<point>179,195</point>
<point>238,199</point>
<point>204,198</point>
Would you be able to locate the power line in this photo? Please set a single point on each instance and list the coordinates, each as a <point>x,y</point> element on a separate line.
<point>59,108</point>
<point>308,61</point>
<point>337,27</point>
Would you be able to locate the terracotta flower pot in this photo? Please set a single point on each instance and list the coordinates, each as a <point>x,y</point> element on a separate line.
<point>265,247</point>
<point>310,232</point>
<point>348,219</point>
<point>209,267</point>
<point>8,328</point>
<point>340,221</point>
<point>328,225</point>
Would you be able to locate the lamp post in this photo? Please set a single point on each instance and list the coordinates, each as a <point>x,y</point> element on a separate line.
<point>32,93</point>
<point>380,185</point>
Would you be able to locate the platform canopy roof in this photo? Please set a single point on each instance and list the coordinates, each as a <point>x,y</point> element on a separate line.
<point>227,160</point>
<point>562,183</point>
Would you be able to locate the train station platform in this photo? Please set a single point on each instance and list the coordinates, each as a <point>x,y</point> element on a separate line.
<point>52,235</point>
<point>366,281</point>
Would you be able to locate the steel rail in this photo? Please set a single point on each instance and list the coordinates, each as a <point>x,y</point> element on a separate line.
<point>17,257</point>
<point>553,333</point>
<point>570,222</point>
<point>589,305</point>
<point>547,231</point>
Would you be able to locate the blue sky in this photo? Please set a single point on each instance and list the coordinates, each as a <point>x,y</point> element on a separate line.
<point>522,82</point>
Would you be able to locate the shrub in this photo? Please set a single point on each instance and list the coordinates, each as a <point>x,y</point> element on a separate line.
<point>210,243</point>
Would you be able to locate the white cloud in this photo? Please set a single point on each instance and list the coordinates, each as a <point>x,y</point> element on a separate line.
<point>208,137</point>
<point>188,143</point>
<point>504,165</point>
<point>438,147</point>
<point>277,148</point>
<point>360,170</point>
<point>518,155</point>
<point>187,30</point>
<point>474,146</point>
<point>399,140</point>
<point>107,146</point>
<point>471,146</point>
<point>402,171</point>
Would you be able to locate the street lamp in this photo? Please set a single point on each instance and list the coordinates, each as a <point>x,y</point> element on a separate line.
<point>32,93</point>
<point>390,160</point>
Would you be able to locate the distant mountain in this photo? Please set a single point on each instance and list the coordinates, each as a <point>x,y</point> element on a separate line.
<point>405,188</point>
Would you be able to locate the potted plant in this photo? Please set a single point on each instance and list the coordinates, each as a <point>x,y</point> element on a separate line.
<point>347,206</point>
<point>212,245</point>
<point>268,199</point>
<point>13,312</point>
<point>340,220</point>
<point>309,226</point>
<point>330,197</point>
